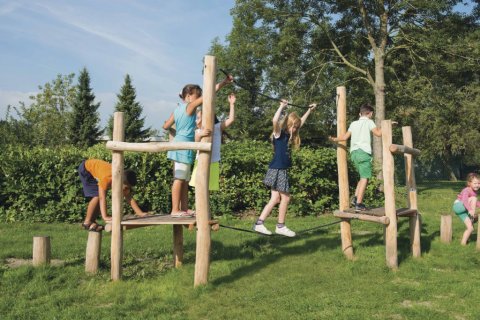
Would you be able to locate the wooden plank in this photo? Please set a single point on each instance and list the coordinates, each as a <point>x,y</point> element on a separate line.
<point>364,217</point>
<point>157,146</point>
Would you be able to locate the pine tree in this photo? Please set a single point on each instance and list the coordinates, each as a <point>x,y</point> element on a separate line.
<point>84,130</point>
<point>134,131</point>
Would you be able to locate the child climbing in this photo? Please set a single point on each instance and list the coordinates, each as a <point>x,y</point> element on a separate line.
<point>466,203</point>
<point>218,129</point>
<point>285,134</point>
<point>183,118</point>
<point>361,150</point>
<point>96,177</point>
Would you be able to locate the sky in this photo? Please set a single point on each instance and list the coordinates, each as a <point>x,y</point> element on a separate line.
<point>159,43</point>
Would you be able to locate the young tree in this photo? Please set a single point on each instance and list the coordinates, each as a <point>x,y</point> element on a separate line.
<point>49,114</point>
<point>134,131</point>
<point>84,125</point>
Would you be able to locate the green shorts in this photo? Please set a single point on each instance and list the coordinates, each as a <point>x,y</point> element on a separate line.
<point>362,162</point>
<point>460,210</point>
<point>214,179</point>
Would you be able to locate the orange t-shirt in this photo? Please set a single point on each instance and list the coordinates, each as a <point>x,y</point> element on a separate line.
<point>101,171</point>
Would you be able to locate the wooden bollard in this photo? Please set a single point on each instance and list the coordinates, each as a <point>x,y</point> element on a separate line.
<point>41,250</point>
<point>92,256</point>
<point>446,229</point>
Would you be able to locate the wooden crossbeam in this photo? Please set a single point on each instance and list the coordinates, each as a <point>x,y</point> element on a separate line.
<point>157,146</point>
<point>401,149</point>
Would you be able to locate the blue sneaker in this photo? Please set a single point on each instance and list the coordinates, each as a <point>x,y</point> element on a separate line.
<point>360,207</point>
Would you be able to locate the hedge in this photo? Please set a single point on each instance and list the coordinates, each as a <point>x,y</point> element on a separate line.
<point>42,185</point>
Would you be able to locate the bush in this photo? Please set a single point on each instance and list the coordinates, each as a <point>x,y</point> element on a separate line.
<point>41,184</point>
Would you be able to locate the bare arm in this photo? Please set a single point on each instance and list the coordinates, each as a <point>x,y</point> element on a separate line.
<point>377,131</point>
<point>276,117</point>
<point>306,114</point>
<point>102,196</point>
<point>192,106</point>
<point>231,116</point>
<point>169,122</point>
<point>343,137</point>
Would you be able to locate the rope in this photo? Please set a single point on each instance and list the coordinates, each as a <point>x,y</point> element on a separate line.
<point>298,233</point>
<point>261,93</point>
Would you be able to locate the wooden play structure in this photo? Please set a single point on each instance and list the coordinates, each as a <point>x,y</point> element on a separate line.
<point>202,207</point>
<point>388,214</point>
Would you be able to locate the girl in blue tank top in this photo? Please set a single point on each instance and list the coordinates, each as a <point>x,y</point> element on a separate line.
<point>184,119</point>
<point>285,134</point>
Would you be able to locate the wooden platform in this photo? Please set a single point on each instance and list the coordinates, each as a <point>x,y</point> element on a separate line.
<point>130,222</point>
<point>374,215</point>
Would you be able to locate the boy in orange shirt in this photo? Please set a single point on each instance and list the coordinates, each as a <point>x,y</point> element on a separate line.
<point>96,177</point>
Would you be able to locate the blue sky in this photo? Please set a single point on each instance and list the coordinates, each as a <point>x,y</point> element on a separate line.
<point>160,44</point>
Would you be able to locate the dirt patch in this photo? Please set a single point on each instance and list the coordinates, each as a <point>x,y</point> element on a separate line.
<point>15,263</point>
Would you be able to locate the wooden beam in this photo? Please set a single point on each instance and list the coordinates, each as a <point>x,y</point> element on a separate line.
<point>343,186</point>
<point>157,146</point>
<point>388,168</point>
<point>202,205</point>
<point>401,149</point>
<point>364,217</point>
<point>116,251</point>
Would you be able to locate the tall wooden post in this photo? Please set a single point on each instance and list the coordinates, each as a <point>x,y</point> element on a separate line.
<point>343,187</point>
<point>388,183</point>
<point>202,207</point>
<point>177,245</point>
<point>117,198</point>
<point>415,222</point>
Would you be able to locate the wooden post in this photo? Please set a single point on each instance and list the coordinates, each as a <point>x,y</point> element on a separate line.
<point>446,228</point>
<point>202,207</point>
<point>388,182</point>
<point>415,221</point>
<point>177,245</point>
<point>92,255</point>
<point>117,198</point>
<point>478,236</point>
<point>343,187</point>
<point>41,250</point>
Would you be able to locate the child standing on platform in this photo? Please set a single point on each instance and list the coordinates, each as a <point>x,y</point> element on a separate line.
<point>466,203</point>
<point>285,134</point>
<point>218,129</point>
<point>361,150</point>
<point>184,119</point>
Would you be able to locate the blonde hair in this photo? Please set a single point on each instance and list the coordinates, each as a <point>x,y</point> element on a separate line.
<point>291,120</point>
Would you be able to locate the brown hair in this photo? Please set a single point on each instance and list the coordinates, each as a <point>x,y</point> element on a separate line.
<point>471,176</point>
<point>190,89</point>
<point>365,108</point>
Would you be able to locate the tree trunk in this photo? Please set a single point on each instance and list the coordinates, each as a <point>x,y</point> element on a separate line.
<point>379,90</point>
<point>448,167</point>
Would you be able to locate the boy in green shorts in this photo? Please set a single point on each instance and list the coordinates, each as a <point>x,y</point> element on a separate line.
<point>361,150</point>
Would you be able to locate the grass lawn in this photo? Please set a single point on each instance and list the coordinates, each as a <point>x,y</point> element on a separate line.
<point>251,276</point>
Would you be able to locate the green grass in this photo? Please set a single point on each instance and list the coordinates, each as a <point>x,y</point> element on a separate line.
<point>251,276</point>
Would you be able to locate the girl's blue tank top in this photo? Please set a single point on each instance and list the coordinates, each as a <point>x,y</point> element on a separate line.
<point>281,156</point>
<point>185,132</point>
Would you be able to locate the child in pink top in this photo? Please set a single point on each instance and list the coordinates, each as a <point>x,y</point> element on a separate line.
<point>466,203</point>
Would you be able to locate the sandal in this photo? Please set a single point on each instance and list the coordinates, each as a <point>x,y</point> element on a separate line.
<point>93,226</point>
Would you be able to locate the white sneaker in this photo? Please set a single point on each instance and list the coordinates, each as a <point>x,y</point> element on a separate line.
<point>284,231</point>
<point>260,228</point>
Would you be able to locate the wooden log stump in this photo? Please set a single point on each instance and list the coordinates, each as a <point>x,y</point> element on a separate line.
<point>177,245</point>
<point>92,255</point>
<point>446,229</point>
<point>41,250</point>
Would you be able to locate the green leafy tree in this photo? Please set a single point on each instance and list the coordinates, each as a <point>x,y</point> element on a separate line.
<point>84,126</point>
<point>439,96</point>
<point>14,130</point>
<point>302,50</point>
<point>48,115</point>
<point>134,131</point>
